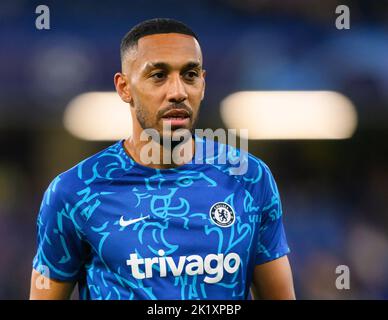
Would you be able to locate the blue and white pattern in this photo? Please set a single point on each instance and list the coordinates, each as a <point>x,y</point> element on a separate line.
<point>174,250</point>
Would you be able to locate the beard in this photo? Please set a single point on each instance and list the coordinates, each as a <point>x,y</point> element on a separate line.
<point>150,121</point>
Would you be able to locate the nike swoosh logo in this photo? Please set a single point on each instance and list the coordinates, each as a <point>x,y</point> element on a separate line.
<point>125,223</point>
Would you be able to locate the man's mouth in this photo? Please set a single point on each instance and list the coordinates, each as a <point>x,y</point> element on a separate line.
<point>177,117</point>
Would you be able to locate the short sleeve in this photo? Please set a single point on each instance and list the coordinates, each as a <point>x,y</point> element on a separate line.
<point>272,242</point>
<point>60,248</point>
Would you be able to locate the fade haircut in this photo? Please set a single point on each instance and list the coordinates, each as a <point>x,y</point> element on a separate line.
<point>153,26</point>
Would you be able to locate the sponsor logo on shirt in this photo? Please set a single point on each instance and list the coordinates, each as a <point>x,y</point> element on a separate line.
<point>213,265</point>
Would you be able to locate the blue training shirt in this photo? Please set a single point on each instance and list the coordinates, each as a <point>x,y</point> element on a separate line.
<point>127,231</point>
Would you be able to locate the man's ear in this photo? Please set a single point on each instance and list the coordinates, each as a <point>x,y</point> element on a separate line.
<point>204,83</point>
<point>122,87</point>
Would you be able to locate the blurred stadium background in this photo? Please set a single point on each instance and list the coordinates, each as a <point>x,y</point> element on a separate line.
<point>334,192</point>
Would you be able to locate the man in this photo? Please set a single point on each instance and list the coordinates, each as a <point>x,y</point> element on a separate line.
<point>123,227</point>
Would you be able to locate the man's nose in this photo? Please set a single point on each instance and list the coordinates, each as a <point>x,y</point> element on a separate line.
<point>176,90</point>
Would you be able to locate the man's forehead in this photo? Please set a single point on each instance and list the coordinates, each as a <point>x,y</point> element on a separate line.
<point>167,47</point>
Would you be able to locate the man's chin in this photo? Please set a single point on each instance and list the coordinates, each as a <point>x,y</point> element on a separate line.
<point>177,132</point>
<point>176,127</point>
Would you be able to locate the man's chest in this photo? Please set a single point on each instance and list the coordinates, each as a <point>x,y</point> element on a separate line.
<point>173,229</point>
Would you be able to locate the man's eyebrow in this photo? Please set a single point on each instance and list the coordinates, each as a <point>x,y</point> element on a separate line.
<point>163,65</point>
<point>191,65</point>
<point>156,65</point>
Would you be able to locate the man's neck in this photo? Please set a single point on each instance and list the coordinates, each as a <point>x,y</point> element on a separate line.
<point>160,155</point>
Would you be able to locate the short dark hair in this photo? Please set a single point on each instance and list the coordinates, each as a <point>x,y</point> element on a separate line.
<point>153,26</point>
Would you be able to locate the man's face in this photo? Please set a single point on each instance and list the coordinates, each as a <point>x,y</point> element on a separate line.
<point>165,81</point>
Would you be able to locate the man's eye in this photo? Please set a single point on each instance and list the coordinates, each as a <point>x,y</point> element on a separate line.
<point>191,75</point>
<point>158,75</point>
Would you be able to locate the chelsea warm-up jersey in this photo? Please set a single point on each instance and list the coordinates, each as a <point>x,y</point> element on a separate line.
<point>127,231</point>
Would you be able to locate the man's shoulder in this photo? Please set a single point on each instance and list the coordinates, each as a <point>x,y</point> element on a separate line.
<point>101,165</point>
<point>241,164</point>
<point>250,171</point>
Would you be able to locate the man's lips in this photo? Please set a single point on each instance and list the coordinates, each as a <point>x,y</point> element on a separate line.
<point>176,113</point>
<point>177,122</point>
<point>177,117</point>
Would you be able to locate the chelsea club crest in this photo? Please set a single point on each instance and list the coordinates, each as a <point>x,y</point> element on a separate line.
<point>222,214</point>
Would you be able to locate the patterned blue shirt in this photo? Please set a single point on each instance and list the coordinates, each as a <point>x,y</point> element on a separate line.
<point>127,231</point>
